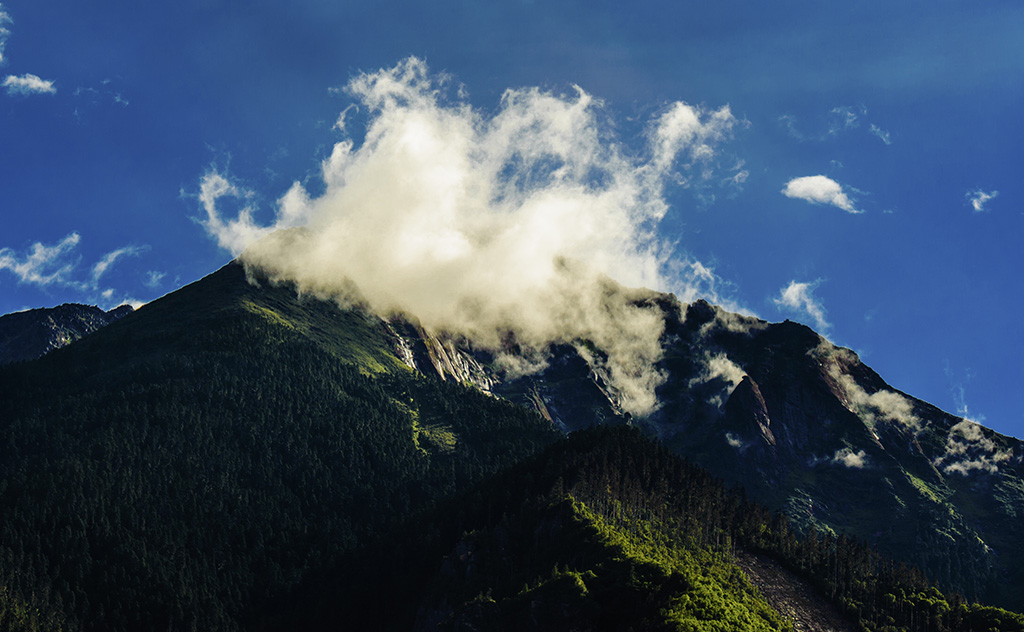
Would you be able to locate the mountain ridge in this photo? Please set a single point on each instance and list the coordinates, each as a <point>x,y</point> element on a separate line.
<point>29,334</point>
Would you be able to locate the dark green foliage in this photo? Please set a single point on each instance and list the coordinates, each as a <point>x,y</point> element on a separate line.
<point>186,477</point>
<point>608,530</point>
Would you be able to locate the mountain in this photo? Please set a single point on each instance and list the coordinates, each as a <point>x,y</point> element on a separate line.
<point>805,427</point>
<point>239,456</point>
<point>32,333</point>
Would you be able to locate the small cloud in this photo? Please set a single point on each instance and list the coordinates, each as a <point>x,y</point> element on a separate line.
<point>844,117</point>
<point>883,135</point>
<point>979,198</point>
<point>970,447</point>
<point>879,406</point>
<point>101,266</point>
<point>154,279</point>
<point>854,460</point>
<point>28,84</point>
<point>819,190</point>
<point>799,297</point>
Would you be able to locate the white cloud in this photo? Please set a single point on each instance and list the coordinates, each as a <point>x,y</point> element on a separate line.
<point>5,18</point>
<point>719,366</point>
<point>819,190</point>
<point>490,223</point>
<point>979,198</point>
<point>58,265</point>
<point>43,265</point>
<point>881,405</point>
<point>28,84</point>
<point>799,297</point>
<point>100,267</point>
<point>968,448</point>
<point>882,135</point>
<point>847,457</point>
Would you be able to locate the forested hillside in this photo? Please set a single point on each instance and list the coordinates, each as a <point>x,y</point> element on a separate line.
<point>607,530</point>
<point>194,460</point>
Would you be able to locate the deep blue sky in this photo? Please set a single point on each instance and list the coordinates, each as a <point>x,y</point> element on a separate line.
<point>112,112</point>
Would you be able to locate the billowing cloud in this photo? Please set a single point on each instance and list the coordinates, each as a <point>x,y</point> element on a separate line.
<point>819,190</point>
<point>979,198</point>
<point>799,297</point>
<point>969,447</point>
<point>28,84</point>
<point>520,221</point>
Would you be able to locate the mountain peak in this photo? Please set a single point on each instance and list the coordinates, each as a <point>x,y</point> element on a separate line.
<point>30,334</point>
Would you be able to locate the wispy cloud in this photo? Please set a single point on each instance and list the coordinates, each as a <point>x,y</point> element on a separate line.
<point>979,199</point>
<point>799,297</point>
<point>28,84</point>
<point>100,267</point>
<point>42,265</point>
<point>154,278</point>
<point>819,190</point>
<point>5,19</point>
<point>879,406</point>
<point>839,120</point>
<point>57,265</point>
<point>845,117</point>
<point>882,135</point>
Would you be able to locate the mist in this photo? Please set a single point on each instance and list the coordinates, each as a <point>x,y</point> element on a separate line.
<point>527,221</point>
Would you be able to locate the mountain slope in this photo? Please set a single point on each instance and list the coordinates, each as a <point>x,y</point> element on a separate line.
<point>186,464</point>
<point>32,333</point>
<point>805,427</point>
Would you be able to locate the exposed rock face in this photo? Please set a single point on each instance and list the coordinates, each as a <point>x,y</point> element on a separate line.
<point>805,427</point>
<point>30,334</point>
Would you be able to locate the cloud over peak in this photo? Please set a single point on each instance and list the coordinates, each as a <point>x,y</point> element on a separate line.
<point>819,190</point>
<point>485,224</point>
<point>799,298</point>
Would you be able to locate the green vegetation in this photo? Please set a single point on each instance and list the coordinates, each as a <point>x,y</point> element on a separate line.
<point>182,470</point>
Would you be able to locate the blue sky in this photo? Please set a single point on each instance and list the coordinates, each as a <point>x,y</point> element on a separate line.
<point>869,184</point>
